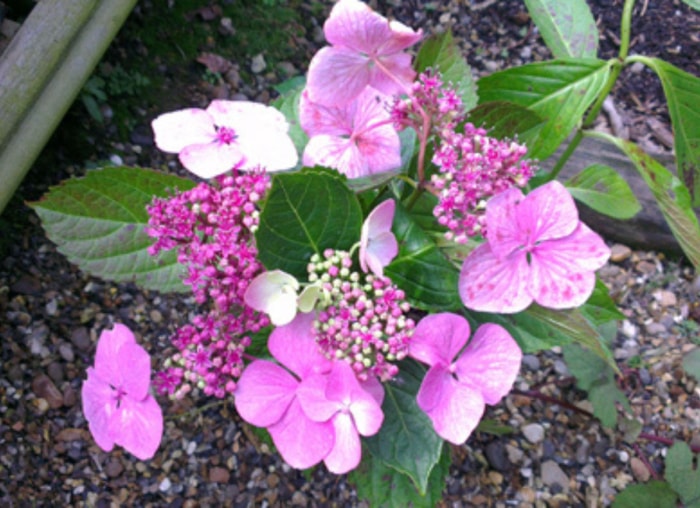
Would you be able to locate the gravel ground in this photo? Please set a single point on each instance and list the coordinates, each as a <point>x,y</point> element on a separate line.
<point>51,315</point>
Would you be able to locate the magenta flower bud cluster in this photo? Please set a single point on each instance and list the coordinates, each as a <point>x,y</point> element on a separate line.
<point>473,167</point>
<point>361,318</point>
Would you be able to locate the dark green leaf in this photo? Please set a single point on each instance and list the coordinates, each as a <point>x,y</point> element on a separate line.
<point>568,28</point>
<point>441,52</point>
<point>507,120</point>
<point>407,442</point>
<point>305,213</point>
<point>681,474</point>
<point>655,494</point>
<point>691,363</point>
<point>670,193</point>
<point>605,191</point>
<point>600,308</point>
<point>420,270</point>
<point>558,91</point>
<point>695,4</point>
<point>682,92</point>
<point>98,222</point>
<point>380,485</point>
<point>490,426</point>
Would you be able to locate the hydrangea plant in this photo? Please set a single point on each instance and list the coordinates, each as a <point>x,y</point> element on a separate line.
<point>352,235</point>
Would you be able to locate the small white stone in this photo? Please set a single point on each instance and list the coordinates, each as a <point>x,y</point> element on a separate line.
<point>165,485</point>
<point>258,64</point>
<point>533,432</point>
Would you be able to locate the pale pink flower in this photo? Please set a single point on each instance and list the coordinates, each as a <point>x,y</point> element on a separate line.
<point>378,245</point>
<point>338,397</point>
<point>357,139</point>
<point>116,402</point>
<point>458,385</point>
<point>227,135</point>
<point>367,49</point>
<point>536,249</point>
<point>266,395</point>
<point>275,293</point>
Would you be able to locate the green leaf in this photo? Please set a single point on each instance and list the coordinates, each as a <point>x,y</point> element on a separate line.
<point>98,222</point>
<point>600,308</point>
<point>691,363</point>
<point>605,191</point>
<point>305,213</point>
<point>681,475</point>
<point>695,4</point>
<point>380,485</point>
<point>682,92</point>
<point>558,91</point>
<point>407,442</point>
<point>491,426</point>
<point>507,120</point>
<point>670,193</point>
<point>655,494</point>
<point>288,105</point>
<point>568,28</point>
<point>441,52</point>
<point>420,270</point>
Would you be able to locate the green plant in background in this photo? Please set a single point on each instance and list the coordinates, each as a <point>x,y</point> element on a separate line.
<point>110,85</point>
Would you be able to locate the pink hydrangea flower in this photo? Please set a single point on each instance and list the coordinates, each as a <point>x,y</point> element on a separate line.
<point>338,397</point>
<point>367,49</point>
<point>275,293</point>
<point>227,135</point>
<point>458,385</point>
<point>116,402</point>
<point>266,395</point>
<point>378,245</point>
<point>357,139</point>
<point>536,249</point>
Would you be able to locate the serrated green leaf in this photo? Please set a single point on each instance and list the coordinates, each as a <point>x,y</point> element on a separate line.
<point>655,494</point>
<point>600,309</point>
<point>681,475</point>
<point>98,222</point>
<point>406,441</point>
<point>605,396</point>
<point>695,4</point>
<point>558,91</point>
<point>288,104</point>
<point>420,270</point>
<point>691,363</point>
<point>380,485</point>
<point>605,191</point>
<point>670,193</point>
<point>682,91</point>
<point>507,120</point>
<point>568,28</point>
<point>440,52</point>
<point>305,213</point>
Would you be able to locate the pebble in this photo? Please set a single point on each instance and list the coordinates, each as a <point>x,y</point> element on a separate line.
<point>533,432</point>
<point>561,368</point>
<point>496,455</point>
<point>619,252</point>
<point>258,64</point>
<point>531,362</point>
<point>44,388</point>
<point>219,475</point>
<point>66,352</point>
<point>639,470</point>
<point>165,485</point>
<point>515,454</point>
<point>665,298</point>
<point>81,338</point>
<point>113,468</point>
<point>582,452</point>
<point>553,475</point>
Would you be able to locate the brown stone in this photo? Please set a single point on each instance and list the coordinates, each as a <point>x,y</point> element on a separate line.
<point>44,388</point>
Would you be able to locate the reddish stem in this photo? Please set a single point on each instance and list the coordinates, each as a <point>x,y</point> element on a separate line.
<point>646,462</point>
<point>665,441</point>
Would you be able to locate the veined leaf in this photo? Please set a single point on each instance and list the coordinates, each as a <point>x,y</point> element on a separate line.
<point>558,91</point>
<point>605,191</point>
<point>305,213</point>
<point>440,52</point>
<point>683,477</point>
<point>568,28</point>
<point>670,193</point>
<point>507,120</point>
<point>655,494</point>
<point>98,222</point>
<point>682,92</point>
<point>407,442</point>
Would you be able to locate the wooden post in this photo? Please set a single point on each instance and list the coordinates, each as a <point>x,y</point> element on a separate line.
<point>42,72</point>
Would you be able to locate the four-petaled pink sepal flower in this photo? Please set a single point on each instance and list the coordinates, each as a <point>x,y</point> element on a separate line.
<point>378,245</point>
<point>116,402</point>
<point>266,395</point>
<point>357,139</point>
<point>227,135</point>
<point>536,249</point>
<point>339,398</point>
<point>367,49</point>
<point>275,293</point>
<point>458,385</point>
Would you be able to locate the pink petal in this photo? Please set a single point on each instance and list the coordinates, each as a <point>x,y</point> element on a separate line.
<point>454,408</point>
<point>174,131</point>
<point>392,74</point>
<point>312,397</point>
<point>256,146</point>
<point>347,449</point>
<point>122,363</point>
<point>317,119</point>
<point>374,387</point>
<point>337,76</point>
<point>503,232</point>
<point>335,152</point>
<point>487,284</point>
<point>138,426</point>
<point>353,24</point>
<point>583,250</point>
<point>264,392</point>
<point>302,442</point>
<point>212,159</point>
<point>547,213</point>
<point>490,362</point>
<point>99,406</point>
<point>275,293</point>
<point>378,245</point>
<point>553,285</point>
<point>294,346</point>
<point>343,387</point>
<point>438,338</point>
<point>402,37</point>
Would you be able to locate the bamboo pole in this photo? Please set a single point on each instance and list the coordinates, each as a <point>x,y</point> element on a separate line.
<point>29,134</point>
